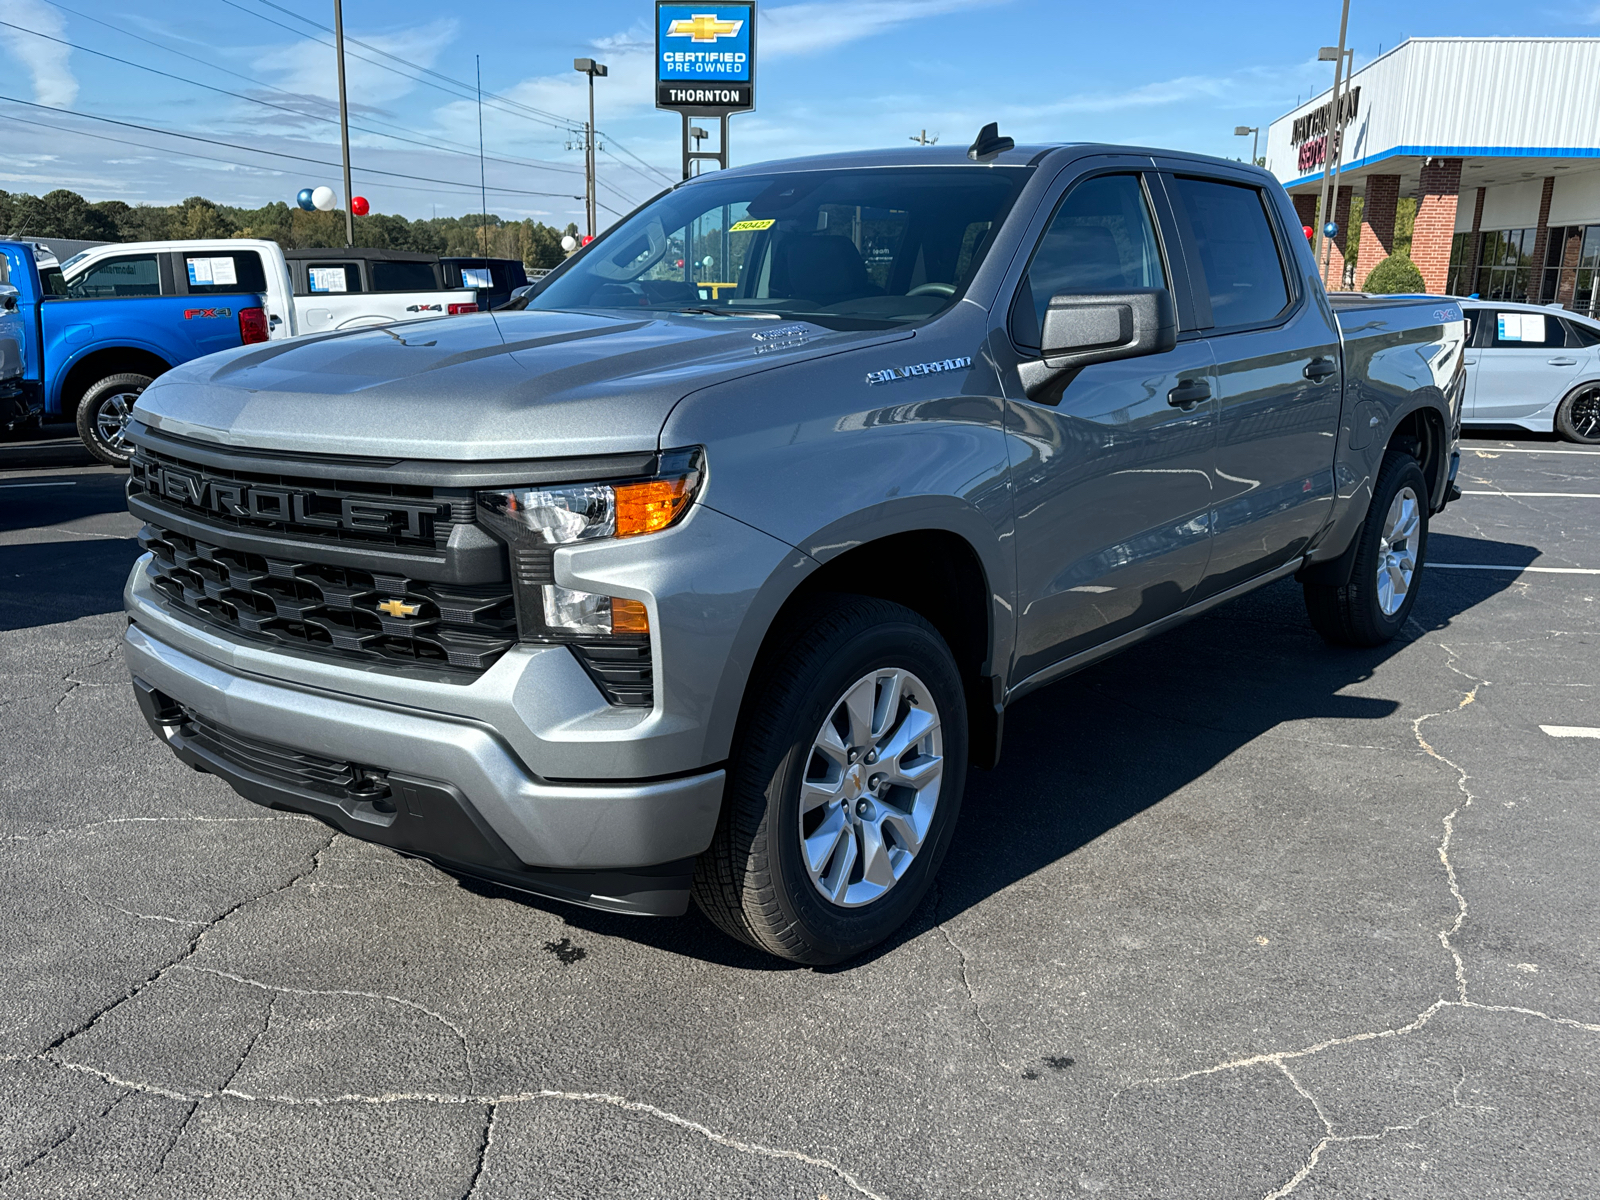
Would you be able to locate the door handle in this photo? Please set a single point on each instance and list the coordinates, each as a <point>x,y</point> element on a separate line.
<point>1469,362</point>
<point>1563,362</point>
<point>1319,369</point>
<point>1188,393</point>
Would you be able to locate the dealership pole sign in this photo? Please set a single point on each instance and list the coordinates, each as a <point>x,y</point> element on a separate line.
<point>706,68</point>
<point>706,57</point>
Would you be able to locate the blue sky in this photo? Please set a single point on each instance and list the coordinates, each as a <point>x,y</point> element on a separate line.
<point>833,75</point>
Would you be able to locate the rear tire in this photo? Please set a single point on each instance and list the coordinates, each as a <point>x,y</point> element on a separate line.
<point>1578,416</point>
<point>844,786</point>
<point>104,413</point>
<point>1390,549</point>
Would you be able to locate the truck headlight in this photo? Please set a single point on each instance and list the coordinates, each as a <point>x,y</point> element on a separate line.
<point>535,520</point>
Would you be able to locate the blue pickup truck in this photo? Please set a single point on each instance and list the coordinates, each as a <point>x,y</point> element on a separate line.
<point>87,349</point>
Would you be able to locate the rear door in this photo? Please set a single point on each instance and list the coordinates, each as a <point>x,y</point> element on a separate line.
<point>1277,351</point>
<point>1111,474</point>
<point>332,293</point>
<point>1524,363</point>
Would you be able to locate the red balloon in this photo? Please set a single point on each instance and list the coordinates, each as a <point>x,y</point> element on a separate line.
<point>359,206</point>
<point>1308,231</point>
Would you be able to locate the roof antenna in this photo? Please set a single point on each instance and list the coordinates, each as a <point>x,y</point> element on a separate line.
<point>989,143</point>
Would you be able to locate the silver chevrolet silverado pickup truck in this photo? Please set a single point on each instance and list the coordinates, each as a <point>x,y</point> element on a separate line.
<point>712,570</point>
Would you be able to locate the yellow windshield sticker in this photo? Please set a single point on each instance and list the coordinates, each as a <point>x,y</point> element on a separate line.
<point>752,226</point>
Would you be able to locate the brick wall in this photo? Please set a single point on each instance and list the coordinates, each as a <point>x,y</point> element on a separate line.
<point>1436,221</point>
<point>1541,237</point>
<point>1377,224</point>
<point>1333,248</point>
<point>1305,207</point>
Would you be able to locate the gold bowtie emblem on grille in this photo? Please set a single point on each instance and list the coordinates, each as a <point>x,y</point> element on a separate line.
<point>399,608</point>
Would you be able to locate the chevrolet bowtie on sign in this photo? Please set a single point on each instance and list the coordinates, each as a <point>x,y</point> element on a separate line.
<point>705,57</point>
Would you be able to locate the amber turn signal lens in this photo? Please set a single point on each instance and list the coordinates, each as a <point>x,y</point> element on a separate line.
<point>629,616</point>
<point>647,507</point>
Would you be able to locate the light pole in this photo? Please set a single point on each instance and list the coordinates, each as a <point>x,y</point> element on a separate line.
<point>699,135</point>
<point>588,66</point>
<point>1335,55</point>
<point>344,123</point>
<point>1255,146</point>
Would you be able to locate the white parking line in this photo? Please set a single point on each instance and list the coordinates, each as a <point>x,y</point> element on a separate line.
<point>1565,495</point>
<point>1515,570</point>
<point>1570,731</point>
<point>1487,451</point>
<point>63,483</point>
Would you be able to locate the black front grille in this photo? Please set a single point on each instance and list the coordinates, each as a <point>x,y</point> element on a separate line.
<point>359,513</point>
<point>352,614</point>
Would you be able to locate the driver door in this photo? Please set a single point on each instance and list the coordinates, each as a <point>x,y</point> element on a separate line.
<point>1112,475</point>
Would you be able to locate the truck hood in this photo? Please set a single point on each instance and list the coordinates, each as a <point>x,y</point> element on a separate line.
<point>529,384</point>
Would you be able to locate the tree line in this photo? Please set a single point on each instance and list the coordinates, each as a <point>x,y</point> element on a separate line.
<point>65,214</point>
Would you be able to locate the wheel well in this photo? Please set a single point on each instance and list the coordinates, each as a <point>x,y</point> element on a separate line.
<point>1421,434</point>
<point>102,363</point>
<point>937,575</point>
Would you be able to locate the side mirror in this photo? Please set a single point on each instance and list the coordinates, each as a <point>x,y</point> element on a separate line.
<point>1080,329</point>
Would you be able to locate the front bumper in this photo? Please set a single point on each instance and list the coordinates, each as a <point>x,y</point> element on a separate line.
<point>454,790</point>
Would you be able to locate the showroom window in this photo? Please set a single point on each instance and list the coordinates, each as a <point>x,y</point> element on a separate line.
<point>1505,264</point>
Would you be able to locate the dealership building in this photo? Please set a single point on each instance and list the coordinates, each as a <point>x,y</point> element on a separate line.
<point>1498,139</point>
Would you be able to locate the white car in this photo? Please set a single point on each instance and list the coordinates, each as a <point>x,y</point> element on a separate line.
<point>1534,366</point>
<point>307,291</point>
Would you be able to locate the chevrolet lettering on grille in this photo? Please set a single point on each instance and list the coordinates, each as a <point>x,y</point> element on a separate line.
<point>291,506</point>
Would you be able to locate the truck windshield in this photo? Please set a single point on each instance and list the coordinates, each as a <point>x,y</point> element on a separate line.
<point>859,248</point>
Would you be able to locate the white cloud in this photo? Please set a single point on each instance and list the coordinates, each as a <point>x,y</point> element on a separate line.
<point>803,28</point>
<point>53,81</point>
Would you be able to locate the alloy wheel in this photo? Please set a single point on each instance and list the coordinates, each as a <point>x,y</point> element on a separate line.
<point>871,787</point>
<point>112,416</point>
<point>1584,413</point>
<point>1397,551</point>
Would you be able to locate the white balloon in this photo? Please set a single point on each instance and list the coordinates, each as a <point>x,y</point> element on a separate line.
<point>322,199</point>
<point>569,243</point>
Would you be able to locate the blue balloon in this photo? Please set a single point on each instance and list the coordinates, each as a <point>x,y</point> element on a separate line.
<point>1330,230</point>
<point>304,200</point>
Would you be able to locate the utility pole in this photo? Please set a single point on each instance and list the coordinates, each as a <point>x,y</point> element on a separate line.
<point>344,123</point>
<point>1337,56</point>
<point>922,139</point>
<point>589,67</point>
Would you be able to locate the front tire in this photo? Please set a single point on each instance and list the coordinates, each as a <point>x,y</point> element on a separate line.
<point>1391,547</point>
<point>844,786</point>
<point>1578,416</point>
<point>104,413</point>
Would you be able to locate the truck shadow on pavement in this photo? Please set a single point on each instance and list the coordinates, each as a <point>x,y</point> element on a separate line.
<point>43,583</point>
<point>1097,749</point>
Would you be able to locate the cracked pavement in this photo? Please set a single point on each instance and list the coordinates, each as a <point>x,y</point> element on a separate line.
<point>1239,916</point>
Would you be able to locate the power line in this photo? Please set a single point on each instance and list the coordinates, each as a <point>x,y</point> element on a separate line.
<point>267,103</point>
<point>534,163</point>
<point>193,137</point>
<point>540,114</point>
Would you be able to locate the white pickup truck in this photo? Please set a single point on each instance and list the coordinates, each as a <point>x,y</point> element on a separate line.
<point>307,291</point>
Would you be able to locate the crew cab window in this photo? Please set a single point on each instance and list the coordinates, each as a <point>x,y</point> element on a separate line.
<point>224,271</point>
<point>129,275</point>
<point>847,248</point>
<point>324,278</point>
<point>403,277</point>
<point>1101,239</point>
<point>1233,236</point>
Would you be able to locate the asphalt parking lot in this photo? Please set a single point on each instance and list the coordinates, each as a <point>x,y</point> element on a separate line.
<point>1239,916</point>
